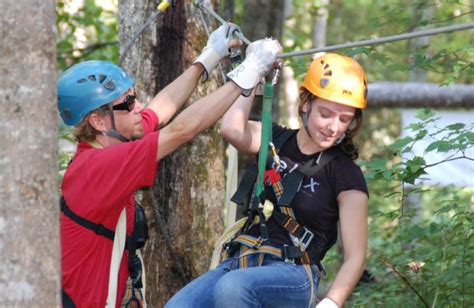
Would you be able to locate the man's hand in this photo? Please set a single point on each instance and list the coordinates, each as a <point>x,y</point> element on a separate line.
<point>261,56</point>
<point>217,47</point>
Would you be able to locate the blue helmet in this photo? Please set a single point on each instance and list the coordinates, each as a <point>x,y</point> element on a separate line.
<point>87,86</point>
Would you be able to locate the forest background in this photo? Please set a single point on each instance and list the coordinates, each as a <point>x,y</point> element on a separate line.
<point>421,247</point>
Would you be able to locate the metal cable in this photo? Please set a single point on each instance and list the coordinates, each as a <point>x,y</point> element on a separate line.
<point>137,34</point>
<point>399,37</point>
<point>206,28</point>
<point>208,8</point>
<point>392,38</point>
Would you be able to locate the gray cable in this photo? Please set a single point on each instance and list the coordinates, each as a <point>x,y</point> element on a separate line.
<point>206,28</point>
<point>404,36</point>
<point>208,8</point>
<point>392,38</point>
<point>137,34</point>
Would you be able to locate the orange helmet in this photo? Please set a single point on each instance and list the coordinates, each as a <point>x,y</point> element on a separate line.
<point>337,78</point>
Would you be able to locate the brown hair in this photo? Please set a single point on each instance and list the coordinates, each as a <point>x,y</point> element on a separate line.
<point>84,131</point>
<point>347,145</point>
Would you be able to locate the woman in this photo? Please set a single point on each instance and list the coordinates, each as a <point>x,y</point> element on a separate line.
<point>333,94</point>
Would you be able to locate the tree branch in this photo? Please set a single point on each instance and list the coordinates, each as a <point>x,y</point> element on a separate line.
<point>415,95</point>
<point>89,48</point>
<point>405,280</point>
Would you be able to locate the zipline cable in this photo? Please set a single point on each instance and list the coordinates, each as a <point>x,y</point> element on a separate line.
<point>205,6</point>
<point>206,29</point>
<point>392,38</point>
<point>405,36</point>
<point>160,9</point>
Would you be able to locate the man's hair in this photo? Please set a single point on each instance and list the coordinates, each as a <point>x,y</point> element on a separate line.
<point>84,131</point>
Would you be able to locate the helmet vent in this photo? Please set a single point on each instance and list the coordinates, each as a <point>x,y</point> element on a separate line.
<point>66,113</point>
<point>102,78</point>
<point>110,85</point>
<point>91,78</point>
<point>323,82</point>
<point>82,80</point>
<point>328,73</point>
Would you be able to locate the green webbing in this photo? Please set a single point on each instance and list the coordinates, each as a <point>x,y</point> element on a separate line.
<point>266,135</point>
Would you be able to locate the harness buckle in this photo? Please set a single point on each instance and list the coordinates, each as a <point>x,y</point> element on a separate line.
<point>286,254</point>
<point>303,241</point>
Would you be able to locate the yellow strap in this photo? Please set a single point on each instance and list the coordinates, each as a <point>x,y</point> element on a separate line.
<point>224,238</point>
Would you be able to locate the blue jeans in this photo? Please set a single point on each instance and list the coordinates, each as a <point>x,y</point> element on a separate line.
<point>274,284</point>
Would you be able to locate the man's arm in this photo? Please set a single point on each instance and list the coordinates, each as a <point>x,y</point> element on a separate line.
<point>195,118</point>
<point>168,101</point>
<point>206,111</point>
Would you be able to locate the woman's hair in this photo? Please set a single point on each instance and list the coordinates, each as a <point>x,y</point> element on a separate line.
<point>347,144</point>
<point>84,131</point>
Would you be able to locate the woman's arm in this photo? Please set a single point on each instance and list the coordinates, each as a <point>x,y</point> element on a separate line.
<point>353,214</point>
<point>238,130</point>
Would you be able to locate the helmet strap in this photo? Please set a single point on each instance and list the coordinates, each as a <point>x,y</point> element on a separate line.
<point>305,116</point>
<point>113,131</point>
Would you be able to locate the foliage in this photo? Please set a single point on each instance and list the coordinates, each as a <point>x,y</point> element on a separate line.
<point>422,253</point>
<point>85,32</point>
<point>447,58</point>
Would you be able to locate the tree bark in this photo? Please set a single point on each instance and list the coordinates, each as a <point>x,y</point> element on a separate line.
<point>29,224</point>
<point>189,186</point>
<point>262,19</point>
<point>419,95</point>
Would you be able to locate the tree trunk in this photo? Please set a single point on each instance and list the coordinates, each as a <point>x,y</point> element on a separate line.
<point>419,95</point>
<point>29,224</point>
<point>320,24</point>
<point>189,186</point>
<point>262,19</point>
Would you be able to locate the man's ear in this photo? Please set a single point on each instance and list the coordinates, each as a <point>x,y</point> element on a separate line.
<point>97,122</point>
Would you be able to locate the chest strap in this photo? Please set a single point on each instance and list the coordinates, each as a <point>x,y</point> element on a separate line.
<point>99,229</point>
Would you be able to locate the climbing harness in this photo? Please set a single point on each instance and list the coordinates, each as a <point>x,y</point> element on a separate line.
<point>131,243</point>
<point>121,241</point>
<point>165,4</point>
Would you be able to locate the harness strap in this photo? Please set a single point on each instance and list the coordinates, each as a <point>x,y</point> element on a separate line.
<point>135,266</point>
<point>99,229</point>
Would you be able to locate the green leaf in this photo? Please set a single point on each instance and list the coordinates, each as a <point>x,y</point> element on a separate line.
<point>440,146</point>
<point>424,114</point>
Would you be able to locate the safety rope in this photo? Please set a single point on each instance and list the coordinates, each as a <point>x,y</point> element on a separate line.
<point>160,9</point>
<point>266,136</point>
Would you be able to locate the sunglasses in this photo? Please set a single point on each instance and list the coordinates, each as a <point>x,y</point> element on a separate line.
<point>127,104</point>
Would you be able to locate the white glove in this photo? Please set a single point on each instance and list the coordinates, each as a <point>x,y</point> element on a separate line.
<point>327,303</point>
<point>217,47</point>
<point>261,55</point>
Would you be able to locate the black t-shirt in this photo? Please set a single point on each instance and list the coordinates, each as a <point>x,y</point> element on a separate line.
<point>315,204</point>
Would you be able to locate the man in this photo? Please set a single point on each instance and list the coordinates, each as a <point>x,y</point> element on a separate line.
<point>119,148</point>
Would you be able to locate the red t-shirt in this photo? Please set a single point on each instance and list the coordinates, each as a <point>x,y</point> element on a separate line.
<point>97,185</point>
